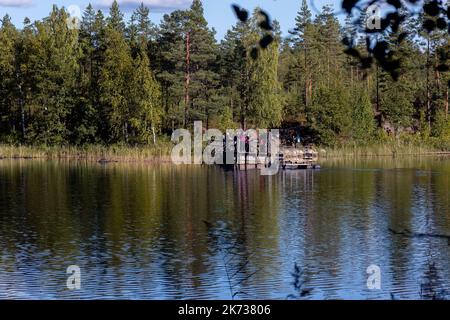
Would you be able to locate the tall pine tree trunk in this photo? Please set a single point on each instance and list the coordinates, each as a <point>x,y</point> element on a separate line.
<point>310,88</point>
<point>188,78</point>
<point>21,103</point>
<point>446,102</point>
<point>243,109</point>
<point>22,112</point>
<point>306,80</point>
<point>428,83</point>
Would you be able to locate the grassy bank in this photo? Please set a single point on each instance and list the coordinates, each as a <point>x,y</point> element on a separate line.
<point>392,148</point>
<point>160,152</point>
<point>153,153</point>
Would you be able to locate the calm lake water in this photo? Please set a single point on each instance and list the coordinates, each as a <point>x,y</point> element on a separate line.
<point>165,232</point>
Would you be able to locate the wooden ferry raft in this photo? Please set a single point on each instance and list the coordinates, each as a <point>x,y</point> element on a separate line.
<point>294,158</point>
<point>290,159</point>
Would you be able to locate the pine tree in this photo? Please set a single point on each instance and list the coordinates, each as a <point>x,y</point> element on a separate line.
<point>146,110</point>
<point>115,79</point>
<point>330,49</point>
<point>397,105</point>
<point>265,104</point>
<point>53,57</point>
<point>432,40</point>
<point>234,69</point>
<point>115,19</point>
<point>170,66</point>
<point>350,34</point>
<point>305,49</point>
<point>85,122</point>
<point>330,115</point>
<point>200,69</point>
<point>363,118</point>
<point>9,117</point>
<point>140,31</point>
<point>145,29</point>
<point>303,21</point>
<point>397,98</point>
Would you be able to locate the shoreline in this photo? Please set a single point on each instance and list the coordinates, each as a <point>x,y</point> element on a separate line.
<point>94,153</point>
<point>160,154</point>
<point>362,156</point>
<point>153,160</point>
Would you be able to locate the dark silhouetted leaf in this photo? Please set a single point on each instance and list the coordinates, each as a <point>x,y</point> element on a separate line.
<point>346,41</point>
<point>441,23</point>
<point>431,8</point>
<point>266,26</point>
<point>429,25</point>
<point>396,3</point>
<point>241,13</point>
<point>380,50</point>
<point>402,36</point>
<point>396,21</point>
<point>352,52</point>
<point>366,63</point>
<point>266,41</point>
<point>265,23</point>
<point>348,5</point>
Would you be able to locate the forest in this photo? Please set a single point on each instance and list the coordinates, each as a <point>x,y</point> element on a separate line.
<point>116,82</point>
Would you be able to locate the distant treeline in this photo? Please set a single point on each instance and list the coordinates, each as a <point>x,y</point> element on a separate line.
<point>110,82</point>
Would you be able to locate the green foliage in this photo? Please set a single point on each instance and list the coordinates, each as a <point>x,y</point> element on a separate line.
<point>225,120</point>
<point>8,106</point>
<point>253,86</point>
<point>203,56</point>
<point>330,115</point>
<point>363,123</point>
<point>170,65</point>
<point>265,105</point>
<point>441,128</point>
<point>146,113</point>
<point>115,78</point>
<point>115,19</point>
<point>397,105</point>
<point>53,54</point>
<point>117,82</point>
<point>302,23</point>
<point>234,69</point>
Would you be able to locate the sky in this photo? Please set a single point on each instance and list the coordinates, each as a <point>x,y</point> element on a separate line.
<point>218,12</point>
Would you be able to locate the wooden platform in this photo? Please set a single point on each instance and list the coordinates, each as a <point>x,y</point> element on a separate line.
<point>305,166</point>
<point>289,159</point>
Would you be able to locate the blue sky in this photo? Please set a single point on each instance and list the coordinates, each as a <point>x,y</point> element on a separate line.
<point>217,12</point>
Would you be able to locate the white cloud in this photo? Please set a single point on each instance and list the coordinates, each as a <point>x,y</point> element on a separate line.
<point>155,5</point>
<point>15,3</point>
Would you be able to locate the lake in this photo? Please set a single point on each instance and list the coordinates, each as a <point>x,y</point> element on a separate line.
<point>167,232</point>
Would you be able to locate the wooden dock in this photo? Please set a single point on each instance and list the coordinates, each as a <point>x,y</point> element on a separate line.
<point>289,159</point>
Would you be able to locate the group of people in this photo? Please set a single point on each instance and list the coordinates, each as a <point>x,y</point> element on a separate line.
<point>292,138</point>
<point>252,143</point>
